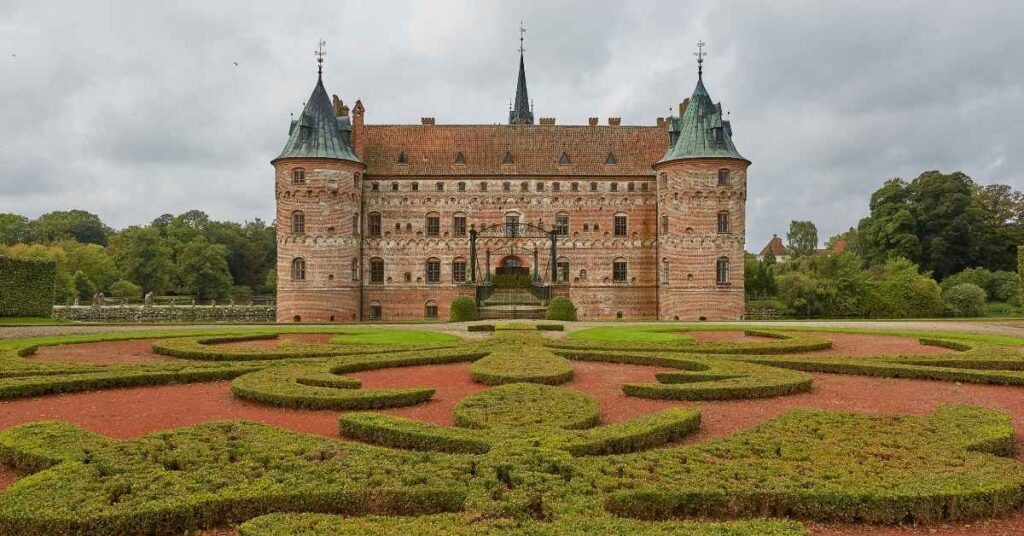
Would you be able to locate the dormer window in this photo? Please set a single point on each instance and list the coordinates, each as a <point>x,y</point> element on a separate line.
<point>610,160</point>
<point>717,135</point>
<point>402,159</point>
<point>565,161</point>
<point>460,160</point>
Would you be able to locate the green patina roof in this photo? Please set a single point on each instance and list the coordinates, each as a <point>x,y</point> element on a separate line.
<point>694,133</point>
<point>317,132</point>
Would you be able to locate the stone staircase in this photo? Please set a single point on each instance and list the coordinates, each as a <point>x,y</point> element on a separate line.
<point>511,303</point>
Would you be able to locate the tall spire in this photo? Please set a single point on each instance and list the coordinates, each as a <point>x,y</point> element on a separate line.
<point>700,58</point>
<point>320,53</point>
<point>521,113</point>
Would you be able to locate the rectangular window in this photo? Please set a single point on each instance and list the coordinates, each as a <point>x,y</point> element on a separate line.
<point>644,186</point>
<point>483,186</point>
<point>615,187</point>
<point>619,273</point>
<point>540,186</point>
<point>557,187</point>
<point>562,273</point>
<point>562,225</point>
<point>433,225</point>
<point>631,187</point>
<point>433,271</point>
<point>620,226</point>
<point>723,222</point>
<point>439,186</point>
<point>664,271</point>
<point>373,225</point>
<point>575,186</point>
<point>431,310</point>
<point>459,226</point>
<point>459,272</point>
<point>664,224</point>
<point>375,311</point>
<point>593,187</point>
<point>377,272</point>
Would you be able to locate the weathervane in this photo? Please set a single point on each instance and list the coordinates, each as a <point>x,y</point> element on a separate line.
<point>522,32</point>
<point>320,53</point>
<point>700,58</point>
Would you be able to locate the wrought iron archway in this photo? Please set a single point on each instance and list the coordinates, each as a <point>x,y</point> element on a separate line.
<point>514,230</point>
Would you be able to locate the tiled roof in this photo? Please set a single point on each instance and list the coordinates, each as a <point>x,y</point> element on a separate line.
<point>775,246</point>
<point>702,132</point>
<point>534,149</point>
<point>317,132</point>
<point>839,246</point>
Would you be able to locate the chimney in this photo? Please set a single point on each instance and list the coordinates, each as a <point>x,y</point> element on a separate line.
<point>358,129</point>
<point>661,121</point>
<point>427,120</point>
<point>614,121</point>
<point>547,120</point>
<point>682,107</point>
<point>593,121</point>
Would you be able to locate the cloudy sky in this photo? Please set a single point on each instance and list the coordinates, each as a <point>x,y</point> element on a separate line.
<point>135,109</point>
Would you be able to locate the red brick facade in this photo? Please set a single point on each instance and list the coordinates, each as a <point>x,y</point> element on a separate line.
<point>671,239</point>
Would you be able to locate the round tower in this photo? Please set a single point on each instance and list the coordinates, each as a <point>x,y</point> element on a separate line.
<point>318,192</point>
<point>702,192</point>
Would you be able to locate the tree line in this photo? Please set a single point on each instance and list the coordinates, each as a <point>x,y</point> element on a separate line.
<point>940,244</point>
<point>188,254</point>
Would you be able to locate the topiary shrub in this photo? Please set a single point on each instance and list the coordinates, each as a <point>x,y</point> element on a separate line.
<point>561,309</point>
<point>26,287</point>
<point>463,309</point>
<point>965,299</point>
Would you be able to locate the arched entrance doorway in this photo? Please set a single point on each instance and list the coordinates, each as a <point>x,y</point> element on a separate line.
<point>512,265</point>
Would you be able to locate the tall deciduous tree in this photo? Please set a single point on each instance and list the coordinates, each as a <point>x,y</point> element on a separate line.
<point>802,238</point>
<point>14,228</point>
<point>143,258</point>
<point>204,269</point>
<point>75,224</point>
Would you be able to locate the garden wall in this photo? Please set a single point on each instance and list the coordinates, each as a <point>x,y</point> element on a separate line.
<point>166,313</point>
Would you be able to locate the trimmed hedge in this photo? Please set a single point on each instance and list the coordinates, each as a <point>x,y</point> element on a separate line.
<point>462,309</point>
<point>797,466</point>
<point>207,349</point>
<point>673,338</point>
<point>457,525</point>
<point>480,327</point>
<point>806,465</point>
<point>399,432</point>
<point>704,378</point>
<point>517,357</point>
<point>310,386</point>
<point>636,435</point>
<point>527,405</point>
<point>561,308</point>
<point>27,287</point>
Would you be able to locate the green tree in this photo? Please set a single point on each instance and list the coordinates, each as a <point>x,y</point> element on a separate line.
<point>125,289</point>
<point>85,289</point>
<point>802,238</point>
<point>965,299</point>
<point>14,228</point>
<point>91,259</point>
<point>899,290</point>
<point>143,257</point>
<point>270,283</point>
<point>79,225</point>
<point>824,285</point>
<point>759,276</point>
<point>204,269</point>
<point>891,230</point>
<point>1000,209</point>
<point>950,225</point>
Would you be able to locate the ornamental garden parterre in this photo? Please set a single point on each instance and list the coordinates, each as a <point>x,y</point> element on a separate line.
<point>529,454</point>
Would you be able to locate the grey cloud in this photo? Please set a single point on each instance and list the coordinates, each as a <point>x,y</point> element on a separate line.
<point>135,109</point>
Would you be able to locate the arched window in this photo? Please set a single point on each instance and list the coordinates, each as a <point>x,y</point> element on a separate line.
<point>459,270</point>
<point>524,186</point>
<point>615,187</point>
<point>724,178</point>
<point>664,270</point>
<point>298,222</point>
<point>556,186</point>
<point>630,187</point>
<point>575,187</point>
<point>540,186</point>
<point>562,224</point>
<point>483,186</point>
<point>355,269</point>
<point>298,176</point>
<point>433,224</point>
<point>439,186</point>
<point>723,221</point>
<point>394,187</point>
<point>377,271</point>
<point>415,186</point>
<point>355,224</point>
<point>462,187</point>
<point>430,309</point>
<point>620,272</point>
<point>644,186</point>
<point>373,224</point>
<point>663,180</point>
<point>593,187</point>
<point>506,186</point>
<point>621,225</point>
<point>722,271</point>
<point>298,269</point>
<point>433,270</point>
<point>376,313</point>
<point>664,224</point>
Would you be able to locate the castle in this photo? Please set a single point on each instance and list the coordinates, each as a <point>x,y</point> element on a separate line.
<point>393,222</point>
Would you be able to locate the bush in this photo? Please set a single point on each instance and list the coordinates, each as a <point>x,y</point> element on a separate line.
<point>463,309</point>
<point>527,405</point>
<point>965,299</point>
<point>561,309</point>
<point>125,289</point>
<point>995,309</point>
<point>26,287</point>
<point>85,289</point>
<point>516,358</point>
<point>998,285</point>
<point>512,281</point>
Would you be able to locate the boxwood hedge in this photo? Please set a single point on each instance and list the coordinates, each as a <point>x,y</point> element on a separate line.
<point>27,287</point>
<point>516,357</point>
